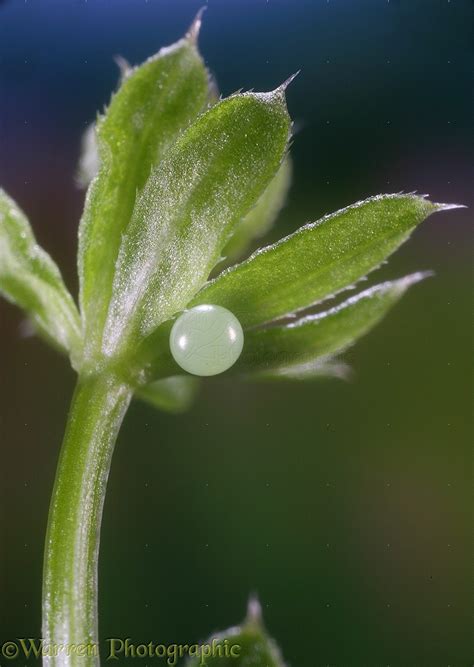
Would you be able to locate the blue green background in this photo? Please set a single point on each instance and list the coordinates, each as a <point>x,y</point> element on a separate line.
<point>346,507</point>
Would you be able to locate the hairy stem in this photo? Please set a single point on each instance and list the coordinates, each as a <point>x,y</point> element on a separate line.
<point>72,541</point>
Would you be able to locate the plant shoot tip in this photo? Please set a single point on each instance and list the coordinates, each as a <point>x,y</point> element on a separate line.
<point>195,27</point>
<point>287,82</point>
<point>254,611</point>
<point>124,66</point>
<point>449,207</point>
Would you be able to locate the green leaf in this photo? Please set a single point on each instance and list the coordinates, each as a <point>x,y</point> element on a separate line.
<point>88,166</point>
<point>30,279</point>
<point>206,183</point>
<point>154,104</point>
<point>260,219</point>
<point>299,349</point>
<point>247,645</point>
<point>303,348</point>
<point>317,261</point>
<point>173,394</point>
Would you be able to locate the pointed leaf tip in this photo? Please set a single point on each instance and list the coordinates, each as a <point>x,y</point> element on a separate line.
<point>254,612</point>
<point>280,91</point>
<point>287,82</point>
<point>448,207</point>
<point>124,66</point>
<point>195,27</point>
<point>414,278</point>
<point>253,645</point>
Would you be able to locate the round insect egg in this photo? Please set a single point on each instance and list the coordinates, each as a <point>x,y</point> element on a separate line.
<point>206,340</point>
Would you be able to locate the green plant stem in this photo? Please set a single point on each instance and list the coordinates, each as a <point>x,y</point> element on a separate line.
<point>98,407</point>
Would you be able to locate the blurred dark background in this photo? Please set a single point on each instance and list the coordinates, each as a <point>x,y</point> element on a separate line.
<point>346,507</point>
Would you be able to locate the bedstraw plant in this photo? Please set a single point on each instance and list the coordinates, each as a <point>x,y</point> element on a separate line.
<point>181,183</point>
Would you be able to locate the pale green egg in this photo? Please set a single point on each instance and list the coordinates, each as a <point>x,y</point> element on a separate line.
<point>206,340</point>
